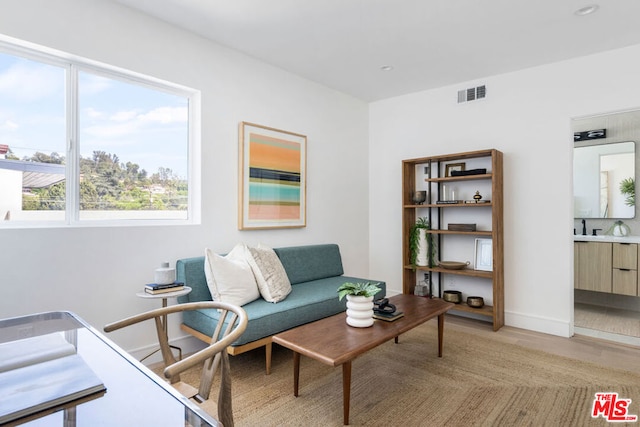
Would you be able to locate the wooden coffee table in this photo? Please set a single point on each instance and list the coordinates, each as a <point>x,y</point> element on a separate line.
<point>333,342</point>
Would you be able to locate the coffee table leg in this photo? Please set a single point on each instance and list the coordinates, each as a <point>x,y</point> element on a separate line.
<point>296,372</point>
<point>346,389</point>
<point>440,333</point>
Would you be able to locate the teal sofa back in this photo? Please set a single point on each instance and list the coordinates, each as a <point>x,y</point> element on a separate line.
<point>312,262</point>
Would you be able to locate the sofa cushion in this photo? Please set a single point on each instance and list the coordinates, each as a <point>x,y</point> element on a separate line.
<point>230,278</point>
<point>271,277</point>
<point>312,262</point>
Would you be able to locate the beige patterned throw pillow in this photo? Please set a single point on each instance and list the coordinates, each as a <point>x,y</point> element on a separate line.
<point>272,279</point>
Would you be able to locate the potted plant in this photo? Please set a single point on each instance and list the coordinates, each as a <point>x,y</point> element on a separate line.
<point>421,243</point>
<point>628,189</point>
<point>359,302</point>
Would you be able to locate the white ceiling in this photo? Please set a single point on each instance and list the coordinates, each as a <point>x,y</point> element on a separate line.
<point>430,43</point>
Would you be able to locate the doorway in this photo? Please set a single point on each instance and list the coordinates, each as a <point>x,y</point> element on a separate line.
<point>606,315</point>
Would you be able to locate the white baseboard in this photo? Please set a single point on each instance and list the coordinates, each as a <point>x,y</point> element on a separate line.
<point>545,325</point>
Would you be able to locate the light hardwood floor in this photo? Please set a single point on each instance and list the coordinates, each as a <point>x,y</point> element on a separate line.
<point>595,350</point>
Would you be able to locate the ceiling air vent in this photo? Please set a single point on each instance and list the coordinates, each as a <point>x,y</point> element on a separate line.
<point>471,94</point>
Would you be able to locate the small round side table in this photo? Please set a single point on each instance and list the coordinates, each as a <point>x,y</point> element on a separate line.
<point>164,296</point>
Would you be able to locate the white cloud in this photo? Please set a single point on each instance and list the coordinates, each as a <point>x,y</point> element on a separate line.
<point>93,113</point>
<point>111,130</point>
<point>128,123</point>
<point>9,125</point>
<point>123,116</point>
<point>27,81</point>
<point>166,115</point>
<point>90,84</point>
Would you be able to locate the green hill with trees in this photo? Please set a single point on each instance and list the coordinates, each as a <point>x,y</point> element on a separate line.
<point>106,183</point>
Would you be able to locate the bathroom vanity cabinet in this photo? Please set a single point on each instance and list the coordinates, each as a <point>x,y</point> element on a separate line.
<point>592,266</point>
<point>461,226</point>
<point>625,269</point>
<point>610,267</point>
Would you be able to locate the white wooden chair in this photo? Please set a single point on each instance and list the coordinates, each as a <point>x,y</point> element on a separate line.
<point>211,357</point>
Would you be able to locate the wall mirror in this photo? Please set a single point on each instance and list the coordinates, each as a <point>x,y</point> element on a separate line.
<point>604,180</point>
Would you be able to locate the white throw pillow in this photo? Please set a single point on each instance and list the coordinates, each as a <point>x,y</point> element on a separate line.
<point>230,278</point>
<point>271,277</point>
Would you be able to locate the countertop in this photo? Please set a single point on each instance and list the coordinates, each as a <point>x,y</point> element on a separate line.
<point>606,238</point>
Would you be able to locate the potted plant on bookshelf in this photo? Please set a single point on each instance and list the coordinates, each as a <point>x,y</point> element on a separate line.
<point>421,243</point>
<point>359,302</point>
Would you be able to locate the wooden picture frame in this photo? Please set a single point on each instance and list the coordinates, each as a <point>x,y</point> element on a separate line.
<point>453,167</point>
<point>272,169</point>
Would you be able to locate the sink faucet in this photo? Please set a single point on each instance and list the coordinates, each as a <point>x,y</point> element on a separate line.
<point>584,227</point>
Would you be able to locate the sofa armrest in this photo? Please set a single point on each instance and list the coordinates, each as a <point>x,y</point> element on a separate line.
<point>191,272</point>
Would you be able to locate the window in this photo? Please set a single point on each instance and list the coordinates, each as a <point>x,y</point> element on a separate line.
<point>82,143</point>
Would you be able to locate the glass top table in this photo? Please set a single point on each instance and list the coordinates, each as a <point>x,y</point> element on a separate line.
<point>134,395</point>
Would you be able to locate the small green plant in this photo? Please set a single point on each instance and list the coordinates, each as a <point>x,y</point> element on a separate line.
<point>367,289</point>
<point>628,189</point>
<point>414,240</point>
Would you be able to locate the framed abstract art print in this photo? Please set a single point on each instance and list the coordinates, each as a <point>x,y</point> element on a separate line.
<point>272,178</point>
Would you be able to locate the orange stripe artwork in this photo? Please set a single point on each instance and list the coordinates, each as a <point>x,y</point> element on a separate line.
<point>273,186</point>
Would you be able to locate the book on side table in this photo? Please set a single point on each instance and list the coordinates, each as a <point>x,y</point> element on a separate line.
<point>154,288</point>
<point>388,317</point>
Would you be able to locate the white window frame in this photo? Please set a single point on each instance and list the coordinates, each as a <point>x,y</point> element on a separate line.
<point>73,65</point>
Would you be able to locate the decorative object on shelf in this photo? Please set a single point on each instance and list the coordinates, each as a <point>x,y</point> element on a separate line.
<point>422,287</point>
<point>419,197</point>
<point>450,167</point>
<point>618,229</point>
<point>469,172</point>
<point>477,196</point>
<point>484,255</point>
<point>443,193</point>
<point>164,275</point>
<point>475,302</point>
<point>359,302</point>
<point>452,296</point>
<point>272,178</point>
<point>453,265</point>
<point>448,194</point>
<point>421,243</point>
<point>461,227</point>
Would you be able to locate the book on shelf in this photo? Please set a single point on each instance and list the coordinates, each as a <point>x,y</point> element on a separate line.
<point>388,317</point>
<point>45,375</point>
<point>163,290</point>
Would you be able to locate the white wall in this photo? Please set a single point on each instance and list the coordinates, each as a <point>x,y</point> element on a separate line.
<point>527,115</point>
<point>96,272</point>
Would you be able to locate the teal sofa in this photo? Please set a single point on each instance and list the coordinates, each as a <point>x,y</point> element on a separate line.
<point>315,273</point>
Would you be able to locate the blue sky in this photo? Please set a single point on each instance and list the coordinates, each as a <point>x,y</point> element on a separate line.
<point>138,124</point>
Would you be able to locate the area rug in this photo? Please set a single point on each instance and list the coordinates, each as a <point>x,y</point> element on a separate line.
<point>478,382</point>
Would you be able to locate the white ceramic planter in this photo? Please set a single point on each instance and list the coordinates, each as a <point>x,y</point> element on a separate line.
<point>359,311</point>
<point>421,256</point>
